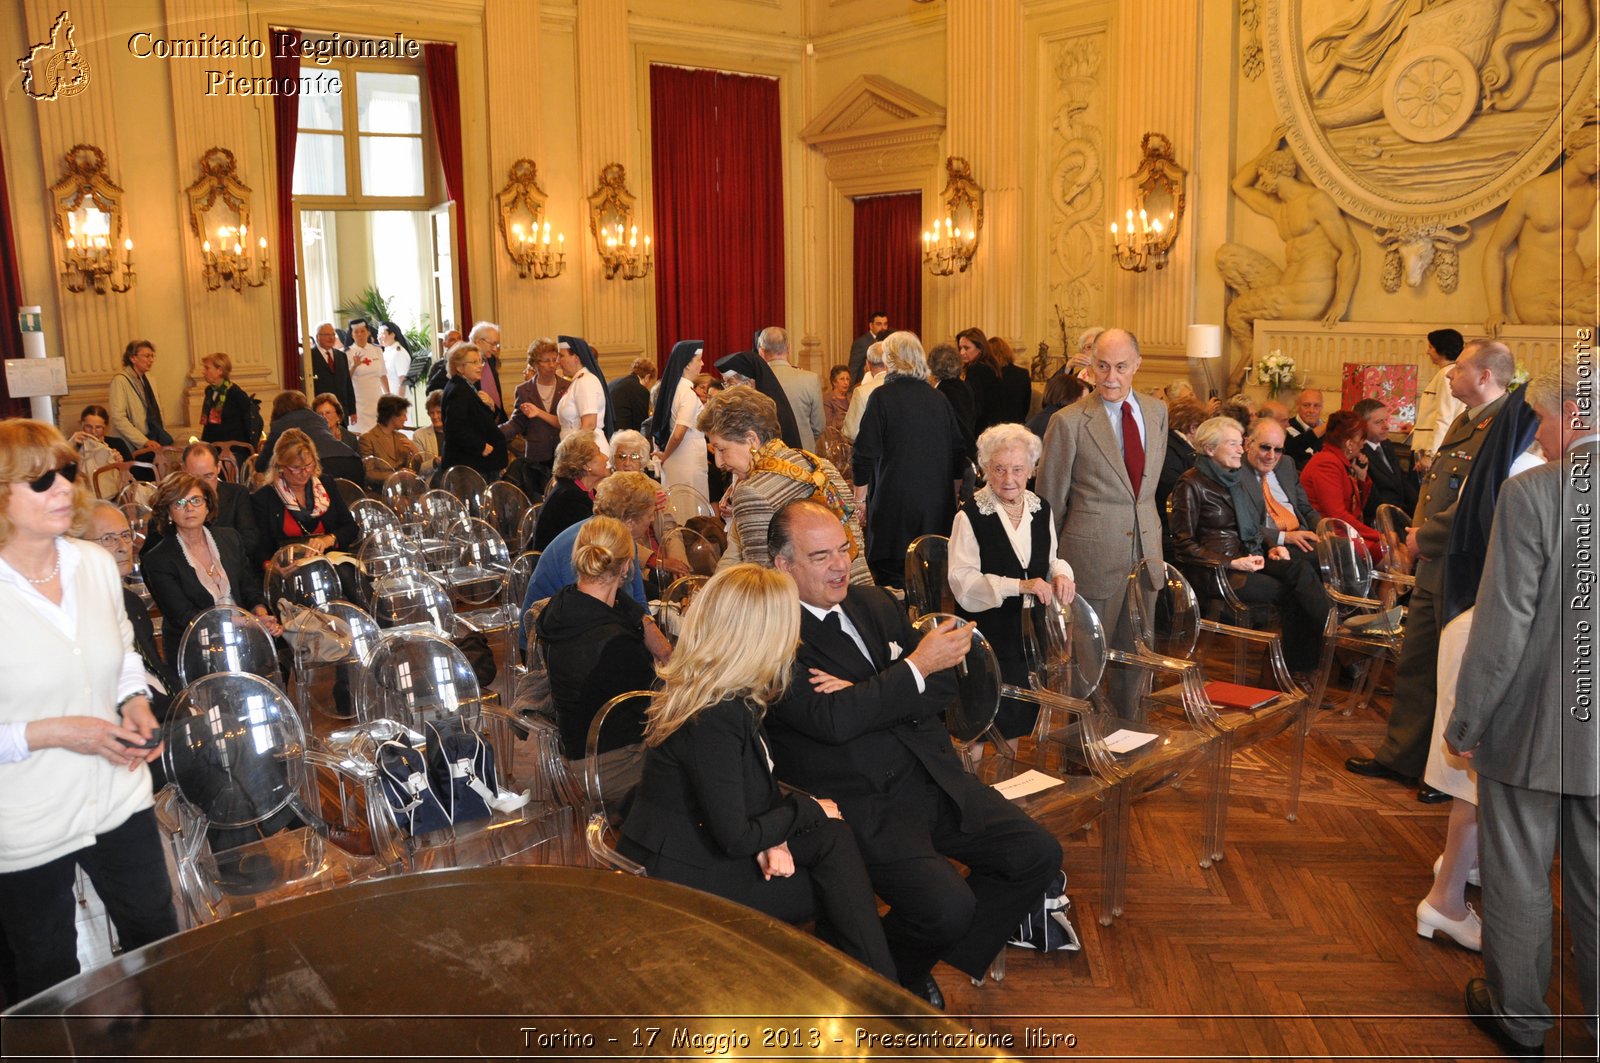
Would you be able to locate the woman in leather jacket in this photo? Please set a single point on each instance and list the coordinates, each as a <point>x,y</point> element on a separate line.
<point>1217,519</point>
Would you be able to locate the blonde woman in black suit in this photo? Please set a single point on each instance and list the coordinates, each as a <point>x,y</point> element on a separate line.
<point>707,813</point>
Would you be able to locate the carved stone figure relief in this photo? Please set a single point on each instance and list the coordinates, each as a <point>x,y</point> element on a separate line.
<point>1321,257</point>
<point>1549,284</point>
<point>1421,115</point>
<point>1075,184</point>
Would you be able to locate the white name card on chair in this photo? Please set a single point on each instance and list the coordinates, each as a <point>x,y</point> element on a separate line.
<point>1029,782</point>
<point>1124,740</point>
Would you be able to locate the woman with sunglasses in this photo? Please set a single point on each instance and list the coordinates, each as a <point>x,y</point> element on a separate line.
<point>74,717</point>
<point>298,504</point>
<point>195,566</point>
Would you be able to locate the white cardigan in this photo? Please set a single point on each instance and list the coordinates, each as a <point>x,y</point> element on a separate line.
<point>56,801</point>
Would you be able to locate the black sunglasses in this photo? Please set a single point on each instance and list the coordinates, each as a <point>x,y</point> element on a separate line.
<point>1268,448</point>
<point>44,481</point>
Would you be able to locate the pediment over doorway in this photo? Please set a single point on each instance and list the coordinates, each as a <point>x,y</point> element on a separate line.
<point>875,112</point>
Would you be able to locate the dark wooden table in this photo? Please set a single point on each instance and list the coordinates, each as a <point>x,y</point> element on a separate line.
<point>509,961</point>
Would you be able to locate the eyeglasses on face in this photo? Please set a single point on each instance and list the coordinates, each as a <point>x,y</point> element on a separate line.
<point>110,539</point>
<point>193,500</point>
<point>44,481</point>
<point>299,468</point>
<point>626,456</point>
<point>1268,448</point>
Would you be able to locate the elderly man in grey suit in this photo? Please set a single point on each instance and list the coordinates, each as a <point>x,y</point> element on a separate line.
<point>803,389</point>
<point>1525,715</point>
<point>1102,458</point>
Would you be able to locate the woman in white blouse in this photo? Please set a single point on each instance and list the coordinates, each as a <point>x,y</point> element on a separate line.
<point>1003,546</point>
<point>680,446</point>
<point>74,719</point>
<point>583,404</point>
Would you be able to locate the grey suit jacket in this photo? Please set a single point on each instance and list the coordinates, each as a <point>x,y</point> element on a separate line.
<point>1104,528</point>
<point>805,398</point>
<point>1516,696</point>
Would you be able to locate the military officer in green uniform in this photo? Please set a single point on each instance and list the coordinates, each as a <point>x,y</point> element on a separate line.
<point>1479,379</point>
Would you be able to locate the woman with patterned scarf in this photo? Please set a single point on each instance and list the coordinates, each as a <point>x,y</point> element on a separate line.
<point>741,425</point>
<point>299,505</point>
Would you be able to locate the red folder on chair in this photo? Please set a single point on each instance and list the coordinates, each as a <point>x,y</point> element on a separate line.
<point>1239,697</point>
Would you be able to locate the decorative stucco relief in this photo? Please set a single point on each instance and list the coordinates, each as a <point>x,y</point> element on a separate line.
<point>1251,59</point>
<point>1424,114</point>
<point>1075,187</point>
<point>1321,257</point>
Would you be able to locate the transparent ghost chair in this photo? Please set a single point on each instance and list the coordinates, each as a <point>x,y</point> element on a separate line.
<point>1397,563</point>
<point>441,512</point>
<point>402,493</point>
<point>1364,619</point>
<point>136,492</point>
<point>309,581</point>
<point>503,505</point>
<point>611,771</point>
<point>386,550</point>
<point>1068,653</point>
<point>225,638</point>
<point>377,471</point>
<point>138,514</point>
<point>417,686</point>
<point>681,505</point>
<point>476,572</point>
<point>462,481</point>
<point>412,598</point>
<point>927,583</point>
<point>1170,632</point>
<point>1062,775</point>
<point>527,526</point>
<point>689,546</point>
<point>350,492</point>
<point>675,601</point>
<point>371,515</point>
<point>242,815</point>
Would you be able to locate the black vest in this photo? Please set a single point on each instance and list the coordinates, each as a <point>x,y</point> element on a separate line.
<point>1003,625</point>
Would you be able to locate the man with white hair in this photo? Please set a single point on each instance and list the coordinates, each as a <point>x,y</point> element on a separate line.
<point>1524,717</point>
<point>858,398</point>
<point>485,335</point>
<point>330,367</point>
<point>803,389</point>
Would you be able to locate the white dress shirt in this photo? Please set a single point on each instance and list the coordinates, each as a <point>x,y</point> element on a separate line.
<point>855,637</point>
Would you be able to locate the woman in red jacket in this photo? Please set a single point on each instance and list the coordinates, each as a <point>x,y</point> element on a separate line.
<point>1336,479</point>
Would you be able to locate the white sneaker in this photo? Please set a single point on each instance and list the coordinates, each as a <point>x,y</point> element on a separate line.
<point>1472,876</point>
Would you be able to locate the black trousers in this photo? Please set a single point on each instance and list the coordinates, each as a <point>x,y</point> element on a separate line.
<point>1416,688</point>
<point>934,913</point>
<point>38,909</point>
<point>830,884</point>
<point>1295,588</point>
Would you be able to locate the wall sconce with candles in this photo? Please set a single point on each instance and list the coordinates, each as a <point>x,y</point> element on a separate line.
<point>1158,203</point>
<point>951,250</point>
<point>521,221</point>
<point>219,210</point>
<point>90,222</point>
<point>615,234</point>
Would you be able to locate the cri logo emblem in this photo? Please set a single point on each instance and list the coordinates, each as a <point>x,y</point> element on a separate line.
<point>55,68</point>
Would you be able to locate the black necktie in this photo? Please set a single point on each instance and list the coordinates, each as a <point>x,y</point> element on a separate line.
<point>831,621</point>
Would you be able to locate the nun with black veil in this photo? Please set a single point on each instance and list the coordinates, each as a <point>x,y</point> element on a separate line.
<point>584,405</point>
<point>679,445</point>
<point>754,369</point>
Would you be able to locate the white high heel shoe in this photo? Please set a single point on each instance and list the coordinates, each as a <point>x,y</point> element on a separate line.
<point>1472,876</point>
<point>1468,932</point>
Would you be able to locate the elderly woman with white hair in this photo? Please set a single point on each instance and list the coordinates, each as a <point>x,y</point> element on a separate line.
<point>1003,549</point>
<point>909,460</point>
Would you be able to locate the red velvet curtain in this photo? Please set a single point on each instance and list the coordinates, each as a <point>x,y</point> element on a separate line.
<point>718,195</point>
<point>888,261</point>
<point>444,96</point>
<point>285,132</point>
<point>11,296</point>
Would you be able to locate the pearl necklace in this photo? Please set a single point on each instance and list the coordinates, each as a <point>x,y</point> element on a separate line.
<point>55,570</point>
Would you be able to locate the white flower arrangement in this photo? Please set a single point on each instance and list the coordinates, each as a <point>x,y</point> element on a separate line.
<point>1520,377</point>
<point>1276,370</point>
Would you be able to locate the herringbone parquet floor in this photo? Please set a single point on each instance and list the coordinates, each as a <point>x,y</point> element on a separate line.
<point>1300,944</point>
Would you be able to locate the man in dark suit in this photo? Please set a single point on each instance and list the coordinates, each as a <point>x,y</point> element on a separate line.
<point>330,369</point>
<point>630,394</point>
<point>877,329</point>
<point>1303,429</point>
<point>1479,380</point>
<point>1290,512</point>
<point>1391,484</point>
<point>862,724</point>
<point>1523,715</point>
